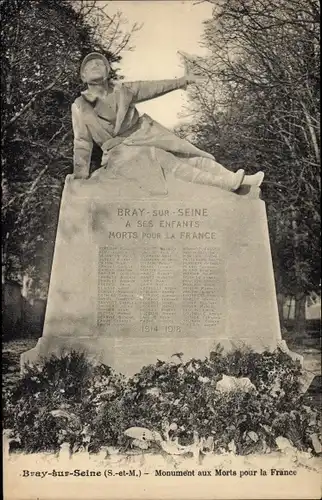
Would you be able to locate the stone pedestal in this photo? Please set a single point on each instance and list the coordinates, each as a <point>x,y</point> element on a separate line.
<point>137,277</point>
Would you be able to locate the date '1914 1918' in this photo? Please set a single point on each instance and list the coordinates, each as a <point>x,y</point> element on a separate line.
<point>166,328</point>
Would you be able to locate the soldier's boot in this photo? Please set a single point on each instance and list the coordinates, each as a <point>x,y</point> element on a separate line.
<point>253,180</point>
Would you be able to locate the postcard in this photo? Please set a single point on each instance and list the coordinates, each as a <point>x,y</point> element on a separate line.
<point>161,284</point>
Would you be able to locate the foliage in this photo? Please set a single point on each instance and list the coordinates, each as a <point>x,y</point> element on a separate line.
<point>259,109</point>
<point>69,399</point>
<point>58,402</point>
<point>43,44</point>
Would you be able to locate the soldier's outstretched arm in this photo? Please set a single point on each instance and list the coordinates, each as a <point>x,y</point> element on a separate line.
<point>146,90</point>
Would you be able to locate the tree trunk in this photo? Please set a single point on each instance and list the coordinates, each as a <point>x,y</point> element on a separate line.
<point>300,296</point>
<point>280,304</point>
<point>300,317</point>
<point>4,256</point>
<point>27,282</point>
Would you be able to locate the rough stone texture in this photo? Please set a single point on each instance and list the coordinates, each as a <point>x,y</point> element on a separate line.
<point>128,290</point>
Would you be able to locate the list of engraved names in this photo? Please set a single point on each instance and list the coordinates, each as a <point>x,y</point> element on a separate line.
<point>173,287</point>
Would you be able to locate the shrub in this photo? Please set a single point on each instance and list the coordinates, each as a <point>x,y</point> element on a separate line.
<point>55,402</point>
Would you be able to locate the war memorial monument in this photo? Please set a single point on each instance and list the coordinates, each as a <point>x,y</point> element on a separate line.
<point>162,250</point>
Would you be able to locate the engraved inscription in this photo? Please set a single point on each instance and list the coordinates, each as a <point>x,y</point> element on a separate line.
<point>167,289</point>
<point>116,286</point>
<point>158,290</point>
<point>203,282</point>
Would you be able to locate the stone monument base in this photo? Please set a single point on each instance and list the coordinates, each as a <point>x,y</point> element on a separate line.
<point>139,277</point>
<point>130,355</point>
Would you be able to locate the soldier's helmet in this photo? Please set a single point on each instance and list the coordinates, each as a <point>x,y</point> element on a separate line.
<point>89,57</point>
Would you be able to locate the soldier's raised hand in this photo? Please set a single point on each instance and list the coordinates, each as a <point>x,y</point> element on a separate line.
<point>188,60</point>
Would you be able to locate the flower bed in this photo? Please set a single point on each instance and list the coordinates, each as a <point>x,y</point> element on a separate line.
<point>240,402</point>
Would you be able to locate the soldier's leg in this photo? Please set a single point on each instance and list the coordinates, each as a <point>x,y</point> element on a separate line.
<point>201,170</point>
<point>218,170</point>
<point>188,169</point>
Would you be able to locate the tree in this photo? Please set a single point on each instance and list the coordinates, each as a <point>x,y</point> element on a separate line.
<point>260,104</point>
<point>43,44</point>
